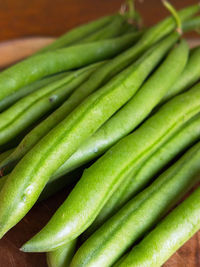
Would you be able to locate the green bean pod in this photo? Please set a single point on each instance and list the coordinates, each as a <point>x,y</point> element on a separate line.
<point>140,214</point>
<point>41,65</point>
<point>62,257</point>
<point>113,29</point>
<point>32,107</point>
<point>100,181</point>
<point>79,55</point>
<point>168,236</point>
<point>5,154</point>
<point>24,91</point>
<point>147,170</point>
<point>133,113</point>
<point>34,170</point>
<point>101,76</point>
<point>190,75</point>
<point>96,80</point>
<point>78,33</point>
<point>193,24</point>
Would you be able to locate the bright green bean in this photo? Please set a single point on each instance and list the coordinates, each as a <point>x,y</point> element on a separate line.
<point>113,29</point>
<point>98,78</point>
<point>34,170</point>
<point>133,113</point>
<point>190,75</point>
<point>62,257</point>
<point>173,231</point>
<point>78,33</point>
<point>32,107</point>
<point>144,174</point>
<point>100,181</point>
<point>64,59</point>
<point>140,214</point>
<point>41,65</point>
<point>24,91</point>
<point>101,76</point>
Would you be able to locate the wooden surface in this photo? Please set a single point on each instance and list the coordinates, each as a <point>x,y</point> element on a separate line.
<point>22,18</point>
<point>50,18</point>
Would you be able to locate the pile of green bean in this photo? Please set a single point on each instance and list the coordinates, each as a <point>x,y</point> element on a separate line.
<point>113,110</point>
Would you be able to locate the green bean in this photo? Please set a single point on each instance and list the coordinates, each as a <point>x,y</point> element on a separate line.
<point>78,33</point>
<point>24,91</point>
<point>192,24</point>
<point>99,78</point>
<point>41,65</point>
<point>66,58</point>
<point>5,154</point>
<point>34,170</point>
<point>145,172</point>
<point>62,257</point>
<point>190,75</point>
<point>114,29</point>
<point>32,107</point>
<point>140,214</point>
<point>168,236</point>
<point>100,181</point>
<point>133,113</point>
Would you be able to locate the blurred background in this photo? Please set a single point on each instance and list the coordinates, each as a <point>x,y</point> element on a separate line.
<point>24,18</point>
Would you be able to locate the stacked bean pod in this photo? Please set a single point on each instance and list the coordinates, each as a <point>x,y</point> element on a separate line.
<point>125,102</point>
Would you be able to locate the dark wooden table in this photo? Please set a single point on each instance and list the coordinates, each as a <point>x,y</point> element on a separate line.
<point>24,19</point>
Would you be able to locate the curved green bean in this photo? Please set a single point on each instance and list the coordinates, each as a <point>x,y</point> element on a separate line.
<point>24,91</point>
<point>145,172</point>
<point>78,33</point>
<point>140,214</point>
<point>106,72</point>
<point>41,65</point>
<point>5,154</point>
<point>100,181</point>
<point>190,75</point>
<point>168,236</point>
<point>34,170</point>
<point>32,107</point>
<point>96,80</point>
<point>63,256</point>
<point>113,29</point>
<point>133,113</point>
<point>79,55</point>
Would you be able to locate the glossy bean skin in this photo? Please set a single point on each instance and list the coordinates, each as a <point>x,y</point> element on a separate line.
<point>82,92</point>
<point>34,170</point>
<point>101,76</point>
<point>187,135</point>
<point>10,100</point>
<point>190,75</point>
<point>29,109</point>
<point>168,236</point>
<point>78,33</point>
<point>133,113</point>
<point>79,55</point>
<point>100,181</point>
<point>140,214</point>
<point>63,256</point>
<point>41,65</point>
<point>145,172</point>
